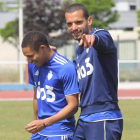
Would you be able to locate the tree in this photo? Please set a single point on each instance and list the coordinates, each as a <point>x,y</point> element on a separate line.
<point>41,15</point>
<point>47,16</point>
<point>1,4</point>
<point>10,33</point>
<point>101,12</point>
<point>138,17</point>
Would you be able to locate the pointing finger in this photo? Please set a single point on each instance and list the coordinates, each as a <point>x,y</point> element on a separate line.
<point>82,39</point>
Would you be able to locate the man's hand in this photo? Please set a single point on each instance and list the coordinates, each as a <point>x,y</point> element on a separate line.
<point>35,126</point>
<point>87,40</point>
<point>53,48</point>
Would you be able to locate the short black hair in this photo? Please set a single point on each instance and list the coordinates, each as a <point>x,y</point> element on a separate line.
<point>75,7</point>
<point>34,39</point>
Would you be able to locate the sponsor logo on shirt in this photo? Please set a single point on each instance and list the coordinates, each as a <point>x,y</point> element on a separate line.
<point>37,73</point>
<point>86,70</point>
<point>87,50</point>
<point>50,75</point>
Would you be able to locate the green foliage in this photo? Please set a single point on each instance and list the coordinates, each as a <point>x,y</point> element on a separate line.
<point>1,4</point>
<point>10,32</point>
<point>138,17</point>
<point>139,34</point>
<point>100,11</point>
<point>44,16</point>
<point>48,16</point>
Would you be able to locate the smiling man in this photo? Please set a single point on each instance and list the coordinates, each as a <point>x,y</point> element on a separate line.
<point>96,64</point>
<point>55,90</point>
<point>78,24</point>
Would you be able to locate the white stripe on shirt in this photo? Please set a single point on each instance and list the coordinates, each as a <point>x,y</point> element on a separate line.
<point>59,57</point>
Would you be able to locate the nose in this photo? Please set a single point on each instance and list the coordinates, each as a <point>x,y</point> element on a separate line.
<point>74,26</point>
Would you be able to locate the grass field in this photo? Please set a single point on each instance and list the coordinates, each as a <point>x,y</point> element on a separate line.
<point>16,114</point>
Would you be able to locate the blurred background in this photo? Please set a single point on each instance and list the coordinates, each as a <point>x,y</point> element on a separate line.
<point>120,17</point>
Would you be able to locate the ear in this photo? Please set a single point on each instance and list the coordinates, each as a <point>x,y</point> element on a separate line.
<point>42,47</point>
<point>89,20</point>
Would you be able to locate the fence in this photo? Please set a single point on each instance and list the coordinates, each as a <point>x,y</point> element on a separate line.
<point>129,60</point>
<point>128,63</point>
<point>10,72</point>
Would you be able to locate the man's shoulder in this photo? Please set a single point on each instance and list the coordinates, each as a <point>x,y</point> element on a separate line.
<point>67,68</point>
<point>97,30</point>
<point>61,60</point>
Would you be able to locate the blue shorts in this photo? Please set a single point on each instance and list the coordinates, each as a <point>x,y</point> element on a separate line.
<point>101,130</point>
<point>40,137</point>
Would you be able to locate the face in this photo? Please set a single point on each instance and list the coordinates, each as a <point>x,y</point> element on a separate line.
<point>35,57</point>
<point>77,24</point>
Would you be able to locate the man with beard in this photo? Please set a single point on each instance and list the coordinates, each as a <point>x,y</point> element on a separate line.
<point>96,65</point>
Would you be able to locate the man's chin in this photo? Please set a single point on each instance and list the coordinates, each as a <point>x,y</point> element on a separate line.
<point>77,38</point>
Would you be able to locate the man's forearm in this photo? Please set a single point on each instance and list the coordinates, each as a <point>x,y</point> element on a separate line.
<point>35,105</point>
<point>35,109</point>
<point>69,110</point>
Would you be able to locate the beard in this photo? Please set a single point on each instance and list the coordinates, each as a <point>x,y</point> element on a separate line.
<point>81,32</point>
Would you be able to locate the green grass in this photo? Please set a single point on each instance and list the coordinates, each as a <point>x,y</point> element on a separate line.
<point>131,114</point>
<point>16,114</point>
<point>13,118</point>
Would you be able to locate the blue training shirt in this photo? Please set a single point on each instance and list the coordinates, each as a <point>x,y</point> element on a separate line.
<point>97,74</point>
<point>54,80</point>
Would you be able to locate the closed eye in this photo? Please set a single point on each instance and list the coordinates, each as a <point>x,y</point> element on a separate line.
<point>30,56</point>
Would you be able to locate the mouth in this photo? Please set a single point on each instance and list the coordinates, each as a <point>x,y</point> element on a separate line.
<point>76,35</point>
